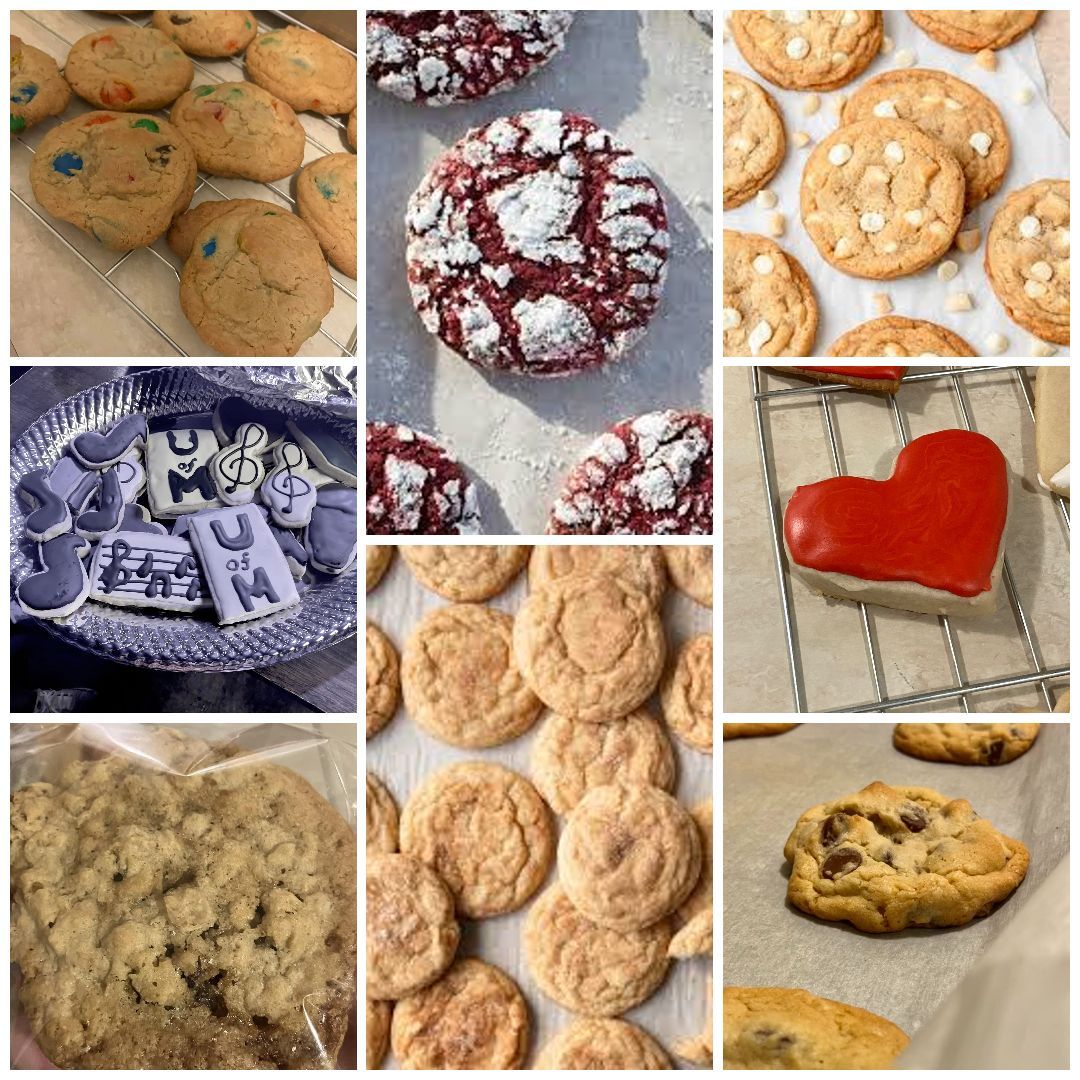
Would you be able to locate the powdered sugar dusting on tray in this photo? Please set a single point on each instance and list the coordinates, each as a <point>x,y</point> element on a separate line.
<point>537,244</point>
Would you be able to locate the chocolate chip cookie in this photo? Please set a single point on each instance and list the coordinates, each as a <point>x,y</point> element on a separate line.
<point>120,177</point>
<point>754,141</point>
<point>326,200</point>
<point>894,335</point>
<point>38,89</point>
<point>208,33</point>
<point>131,68</point>
<point>769,304</point>
<point>1027,258</point>
<point>305,69</point>
<point>888,858</point>
<point>965,744</point>
<point>238,129</point>
<point>950,110</point>
<point>971,31</point>
<point>881,198</point>
<point>742,731</point>
<point>781,1028</point>
<point>808,50</point>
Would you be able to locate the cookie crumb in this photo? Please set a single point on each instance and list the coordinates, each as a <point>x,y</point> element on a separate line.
<point>960,301</point>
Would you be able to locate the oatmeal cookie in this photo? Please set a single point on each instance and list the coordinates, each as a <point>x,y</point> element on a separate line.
<point>485,830</point>
<point>639,565</point>
<point>741,731</point>
<point>474,1017</point>
<point>887,858</point>
<point>781,1028</point>
<point>590,646</point>
<point>602,1044</point>
<point>378,558</point>
<point>378,1031</point>
<point>965,744</point>
<point>383,680</point>
<point>460,680</point>
<point>570,757</point>
<point>687,691</point>
<point>590,969</point>
<point>690,568</point>
<point>381,817</point>
<point>222,900</point>
<point>466,572</point>
<point>412,934</point>
<point>629,855</point>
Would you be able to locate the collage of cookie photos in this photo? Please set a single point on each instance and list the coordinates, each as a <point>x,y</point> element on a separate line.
<point>184,183</point>
<point>896,183</point>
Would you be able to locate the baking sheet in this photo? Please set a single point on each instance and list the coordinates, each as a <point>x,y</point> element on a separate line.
<point>646,77</point>
<point>402,755</point>
<point>769,782</point>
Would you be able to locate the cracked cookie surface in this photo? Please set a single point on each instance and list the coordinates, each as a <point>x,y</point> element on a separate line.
<point>305,69</point>
<point>966,744</point>
<point>886,859</point>
<point>970,31</point>
<point>382,676</point>
<point>326,200</point>
<point>208,33</point>
<point>466,572</point>
<point>591,1043</point>
<point>894,335</point>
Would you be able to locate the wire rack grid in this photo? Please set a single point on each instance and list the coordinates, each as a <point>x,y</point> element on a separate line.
<point>279,188</point>
<point>961,690</point>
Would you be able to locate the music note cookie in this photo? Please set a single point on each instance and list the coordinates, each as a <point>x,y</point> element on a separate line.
<point>107,514</point>
<point>177,471</point>
<point>242,562</point>
<point>137,569</point>
<point>50,515</point>
<point>288,492</point>
<point>61,586</point>
<point>100,450</point>
<point>238,470</point>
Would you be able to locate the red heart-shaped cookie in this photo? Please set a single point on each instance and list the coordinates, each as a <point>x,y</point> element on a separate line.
<point>936,521</point>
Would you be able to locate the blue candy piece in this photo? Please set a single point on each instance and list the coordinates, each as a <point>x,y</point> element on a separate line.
<point>68,164</point>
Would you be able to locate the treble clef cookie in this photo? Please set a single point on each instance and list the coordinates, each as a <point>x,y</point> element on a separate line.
<point>238,470</point>
<point>880,198</point>
<point>1027,258</point>
<point>288,493</point>
<point>769,304</point>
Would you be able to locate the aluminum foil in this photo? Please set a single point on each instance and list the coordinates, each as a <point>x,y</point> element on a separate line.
<point>328,609</point>
<point>334,387</point>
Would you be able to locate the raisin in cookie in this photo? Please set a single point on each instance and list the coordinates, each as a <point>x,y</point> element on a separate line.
<point>888,858</point>
<point>781,1028</point>
<point>965,744</point>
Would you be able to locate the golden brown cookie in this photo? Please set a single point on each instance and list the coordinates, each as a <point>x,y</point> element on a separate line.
<point>377,1030</point>
<point>754,141</point>
<point>949,109</point>
<point>638,565</point>
<point>894,335</point>
<point>383,679</point>
<point>591,647</point>
<point>971,31</point>
<point>966,744</point>
<point>881,198</point>
<point>326,200</point>
<point>695,938</point>
<point>465,572</point>
<point>378,558</point>
<point>740,731</point>
<point>808,50</point>
<point>305,69</point>
<point>690,567</point>
<point>592,1044</point>
<point>687,691</point>
<point>381,817</point>
<point>38,89</point>
<point>702,896</point>
<point>188,225</point>
<point>1027,258</point>
<point>769,304</point>
<point>460,680</point>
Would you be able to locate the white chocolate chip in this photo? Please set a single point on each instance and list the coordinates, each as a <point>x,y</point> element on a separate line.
<point>904,58</point>
<point>732,318</point>
<point>882,303</point>
<point>968,240</point>
<point>759,336</point>
<point>776,224</point>
<point>800,139</point>
<point>810,104</point>
<point>947,270</point>
<point>952,104</point>
<point>849,18</point>
<point>1024,96</point>
<point>986,59</point>
<point>876,174</point>
<point>890,247</point>
<point>1034,290</point>
<point>840,154</point>
<point>995,344</point>
<point>960,301</point>
<point>767,199</point>
<point>885,109</point>
<point>1041,271</point>
<point>796,17</point>
<point>887,45</point>
<point>1041,348</point>
<point>763,265</point>
<point>894,151</point>
<point>980,142</point>
<point>1029,227</point>
<point>872,222</point>
<point>798,48</point>
<point>839,58</point>
<point>843,248</point>
<point>893,350</point>
<point>914,217</point>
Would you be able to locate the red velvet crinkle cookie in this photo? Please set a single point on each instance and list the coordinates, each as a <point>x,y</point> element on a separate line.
<point>537,244</point>
<point>414,486</point>
<point>441,57</point>
<point>648,474</point>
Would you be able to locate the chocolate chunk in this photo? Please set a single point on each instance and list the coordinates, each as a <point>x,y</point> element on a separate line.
<point>833,828</point>
<point>993,752</point>
<point>914,817</point>
<point>841,862</point>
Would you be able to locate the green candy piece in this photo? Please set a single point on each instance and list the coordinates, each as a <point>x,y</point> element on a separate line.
<point>18,123</point>
<point>147,123</point>
<point>202,91</point>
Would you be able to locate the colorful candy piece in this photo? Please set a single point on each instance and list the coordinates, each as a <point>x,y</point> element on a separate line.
<point>178,477</point>
<point>287,490</point>
<point>97,450</point>
<point>331,536</point>
<point>325,451</point>
<point>51,516</point>
<point>107,515</point>
<point>61,586</point>
<point>134,569</point>
<point>238,469</point>
<point>242,563</point>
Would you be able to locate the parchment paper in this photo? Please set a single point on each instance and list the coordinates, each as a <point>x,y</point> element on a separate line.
<point>646,77</point>
<point>769,782</point>
<point>402,755</point>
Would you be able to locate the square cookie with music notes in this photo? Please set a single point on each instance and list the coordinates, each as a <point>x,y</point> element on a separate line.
<point>140,569</point>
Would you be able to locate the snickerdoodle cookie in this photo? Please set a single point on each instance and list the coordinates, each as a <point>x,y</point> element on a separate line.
<point>383,680</point>
<point>686,694</point>
<point>465,572</point>
<point>639,565</point>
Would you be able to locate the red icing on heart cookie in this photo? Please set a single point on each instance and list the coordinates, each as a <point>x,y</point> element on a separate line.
<point>936,521</point>
<point>889,373</point>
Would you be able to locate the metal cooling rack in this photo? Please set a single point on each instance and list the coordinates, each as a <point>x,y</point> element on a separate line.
<point>961,689</point>
<point>344,348</point>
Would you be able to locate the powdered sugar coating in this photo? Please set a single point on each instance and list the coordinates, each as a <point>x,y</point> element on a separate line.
<point>537,244</point>
<point>414,486</point>
<point>649,474</point>
<point>443,57</point>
